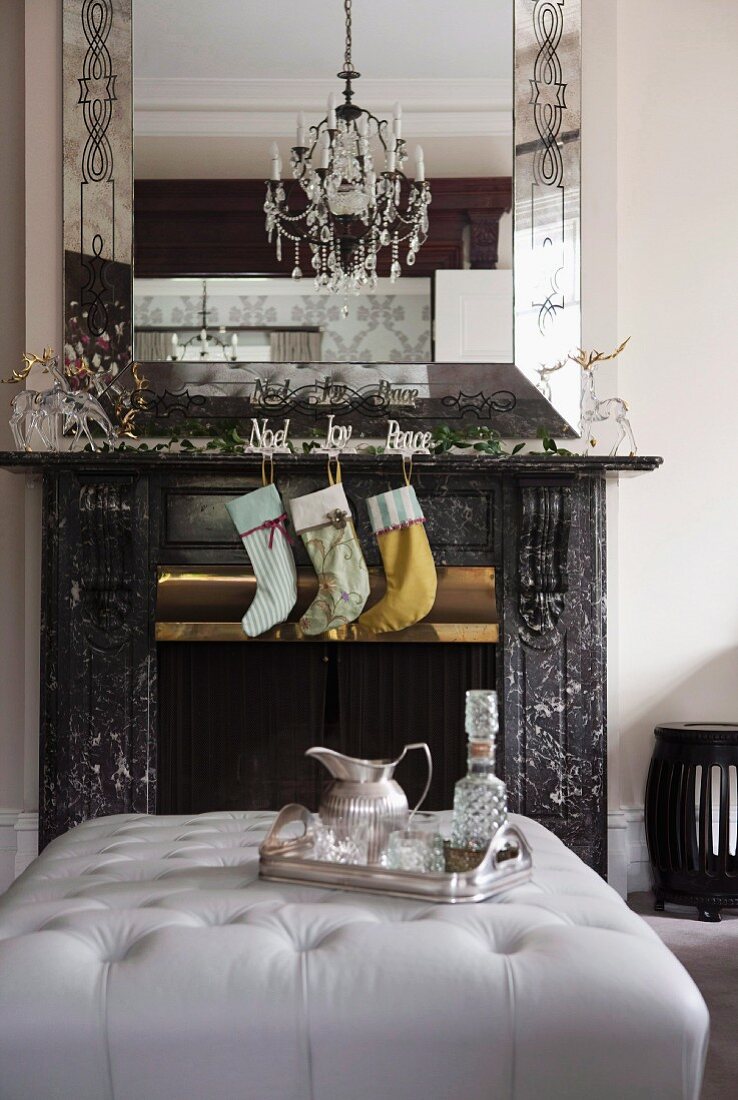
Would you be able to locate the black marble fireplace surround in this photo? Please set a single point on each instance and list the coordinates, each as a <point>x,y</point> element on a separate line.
<point>110,521</point>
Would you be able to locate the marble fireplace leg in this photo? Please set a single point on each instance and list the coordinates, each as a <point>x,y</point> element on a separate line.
<point>552,651</point>
<point>96,650</point>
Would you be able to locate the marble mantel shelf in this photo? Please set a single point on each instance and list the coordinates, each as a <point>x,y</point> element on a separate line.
<point>202,461</point>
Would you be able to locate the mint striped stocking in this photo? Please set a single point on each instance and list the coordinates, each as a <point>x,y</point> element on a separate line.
<point>260,518</point>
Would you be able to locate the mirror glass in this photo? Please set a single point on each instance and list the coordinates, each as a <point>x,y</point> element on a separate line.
<point>217,86</point>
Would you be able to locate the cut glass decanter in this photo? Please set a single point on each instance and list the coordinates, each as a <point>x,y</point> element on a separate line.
<point>480,798</point>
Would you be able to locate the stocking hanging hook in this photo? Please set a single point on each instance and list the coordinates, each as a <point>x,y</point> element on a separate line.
<point>267,456</point>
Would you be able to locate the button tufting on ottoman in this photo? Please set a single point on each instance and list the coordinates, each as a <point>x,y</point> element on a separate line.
<point>141,958</point>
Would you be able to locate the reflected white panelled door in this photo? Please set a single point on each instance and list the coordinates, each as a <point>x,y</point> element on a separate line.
<point>472,312</point>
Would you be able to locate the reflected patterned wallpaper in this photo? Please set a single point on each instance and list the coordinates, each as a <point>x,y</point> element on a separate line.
<point>380,328</point>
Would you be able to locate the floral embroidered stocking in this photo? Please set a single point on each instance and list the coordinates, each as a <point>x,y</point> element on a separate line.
<point>323,520</point>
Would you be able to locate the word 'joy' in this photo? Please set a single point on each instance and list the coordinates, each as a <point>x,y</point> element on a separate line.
<point>336,436</point>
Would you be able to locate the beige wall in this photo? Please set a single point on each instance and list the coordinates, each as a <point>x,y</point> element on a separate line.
<point>678,291</point>
<point>12,327</point>
<point>30,311</point>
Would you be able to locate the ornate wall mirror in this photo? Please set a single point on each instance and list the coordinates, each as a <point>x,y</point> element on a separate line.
<point>264,235</point>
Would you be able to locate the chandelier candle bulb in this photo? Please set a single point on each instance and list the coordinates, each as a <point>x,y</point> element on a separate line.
<point>397,120</point>
<point>331,112</point>
<point>300,131</point>
<point>419,164</point>
<point>276,164</point>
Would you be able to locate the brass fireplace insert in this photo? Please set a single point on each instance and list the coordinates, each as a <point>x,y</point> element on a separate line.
<point>206,605</point>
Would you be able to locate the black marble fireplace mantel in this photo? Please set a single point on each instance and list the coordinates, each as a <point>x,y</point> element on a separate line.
<point>569,466</point>
<point>110,521</point>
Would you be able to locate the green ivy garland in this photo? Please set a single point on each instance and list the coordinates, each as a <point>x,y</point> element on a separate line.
<point>229,441</point>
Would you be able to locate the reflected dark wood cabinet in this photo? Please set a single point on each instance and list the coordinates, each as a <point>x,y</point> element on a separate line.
<point>216,227</point>
<point>108,690</point>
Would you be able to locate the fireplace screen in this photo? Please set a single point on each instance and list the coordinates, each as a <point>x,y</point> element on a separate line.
<point>235,720</point>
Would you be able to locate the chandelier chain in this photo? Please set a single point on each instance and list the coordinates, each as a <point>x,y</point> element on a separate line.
<point>347,53</point>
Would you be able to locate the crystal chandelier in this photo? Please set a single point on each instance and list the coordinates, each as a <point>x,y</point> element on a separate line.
<point>204,343</point>
<point>353,210</point>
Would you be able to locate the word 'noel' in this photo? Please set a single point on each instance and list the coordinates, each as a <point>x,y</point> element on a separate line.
<point>264,438</point>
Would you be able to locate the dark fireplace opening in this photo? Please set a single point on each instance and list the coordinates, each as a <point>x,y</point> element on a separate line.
<point>235,719</point>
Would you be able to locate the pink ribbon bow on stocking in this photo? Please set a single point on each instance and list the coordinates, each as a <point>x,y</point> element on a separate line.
<point>271,525</point>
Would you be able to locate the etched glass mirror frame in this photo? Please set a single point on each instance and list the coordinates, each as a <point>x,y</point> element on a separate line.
<point>514,399</point>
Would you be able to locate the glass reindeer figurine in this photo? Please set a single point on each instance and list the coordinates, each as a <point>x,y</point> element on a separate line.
<point>57,412</point>
<point>595,410</point>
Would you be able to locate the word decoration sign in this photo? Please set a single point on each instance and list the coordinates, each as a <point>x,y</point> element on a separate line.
<point>406,441</point>
<point>336,436</point>
<point>329,394</point>
<point>268,440</point>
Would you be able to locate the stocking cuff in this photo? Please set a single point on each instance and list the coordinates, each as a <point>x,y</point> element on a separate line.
<point>252,509</point>
<point>320,509</point>
<point>394,510</point>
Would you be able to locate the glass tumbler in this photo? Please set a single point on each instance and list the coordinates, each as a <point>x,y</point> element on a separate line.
<point>417,850</point>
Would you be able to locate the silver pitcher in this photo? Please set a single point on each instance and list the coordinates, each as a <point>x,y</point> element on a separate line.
<point>364,793</point>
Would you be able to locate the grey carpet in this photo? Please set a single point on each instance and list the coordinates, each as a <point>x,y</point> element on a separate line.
<point>710,953</point>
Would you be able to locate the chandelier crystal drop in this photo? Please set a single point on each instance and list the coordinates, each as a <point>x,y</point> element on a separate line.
<point>355,207</point>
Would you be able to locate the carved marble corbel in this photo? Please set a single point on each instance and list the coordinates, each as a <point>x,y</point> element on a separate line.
<point>543,553</point>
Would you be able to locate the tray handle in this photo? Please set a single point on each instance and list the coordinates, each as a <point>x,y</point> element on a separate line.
<point>274,844</point>
<point>508,850</point>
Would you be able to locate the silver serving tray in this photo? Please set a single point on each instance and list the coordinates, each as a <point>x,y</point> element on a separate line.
<point>506,863</point>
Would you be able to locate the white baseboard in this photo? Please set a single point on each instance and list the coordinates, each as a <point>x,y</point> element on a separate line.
<point>628,868</point>
<point>18,844</point>
<point>26,829</point>
<point>8,847</point>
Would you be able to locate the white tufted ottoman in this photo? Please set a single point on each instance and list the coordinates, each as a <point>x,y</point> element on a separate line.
<point>142,959</point>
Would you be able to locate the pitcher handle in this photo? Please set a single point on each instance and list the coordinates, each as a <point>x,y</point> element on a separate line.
<point>419,745</point>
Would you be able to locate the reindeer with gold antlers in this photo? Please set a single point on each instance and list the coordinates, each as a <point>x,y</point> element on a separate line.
<point>28,413</point>
<point>52,413</point>
<point>594,409</point>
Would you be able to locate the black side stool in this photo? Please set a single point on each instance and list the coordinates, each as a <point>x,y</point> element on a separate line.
<point>690,868</point>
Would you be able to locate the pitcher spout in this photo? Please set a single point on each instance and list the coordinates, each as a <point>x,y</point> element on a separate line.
<point>349,768</point>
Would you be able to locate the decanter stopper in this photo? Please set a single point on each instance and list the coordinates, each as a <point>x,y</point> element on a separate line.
<point>482,717</point>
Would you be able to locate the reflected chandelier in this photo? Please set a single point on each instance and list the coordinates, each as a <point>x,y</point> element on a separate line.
<point>353,210</point>
<point>205,341</point>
